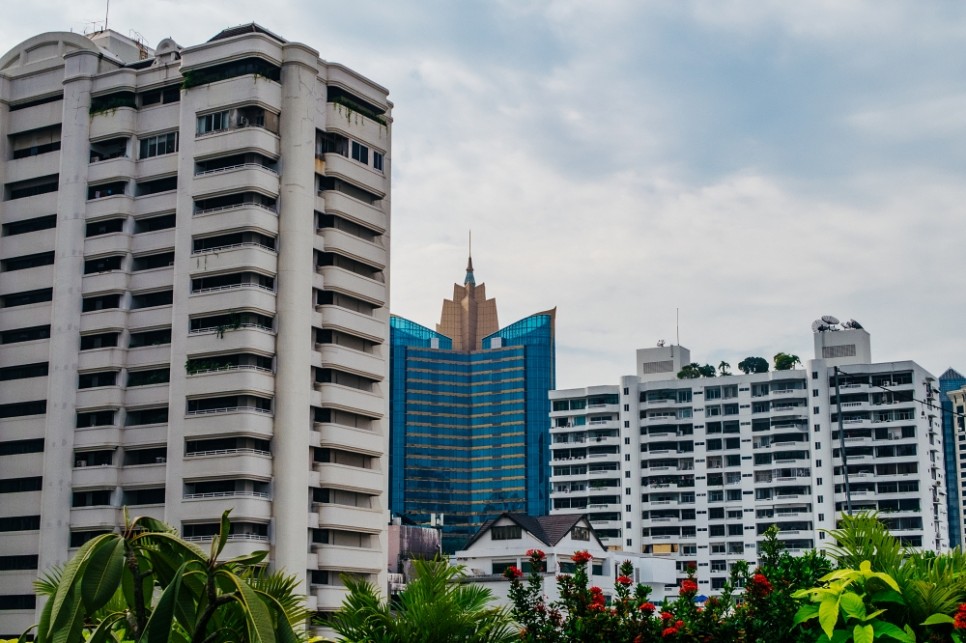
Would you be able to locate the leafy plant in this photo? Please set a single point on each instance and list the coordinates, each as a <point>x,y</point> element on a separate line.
<point>695,370</point>
<point>107,592</point>
<point>753,365</point>
<point>786,361</point>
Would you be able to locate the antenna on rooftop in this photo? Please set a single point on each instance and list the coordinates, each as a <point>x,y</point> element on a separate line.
<point>677,326</point>
<point>107,13</point>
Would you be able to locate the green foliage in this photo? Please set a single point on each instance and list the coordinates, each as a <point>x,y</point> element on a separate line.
<point>786,361</point>
<point>435,607</point>
<point>724,369</point>
<point>694,370</point>
<point>352,106</point>
<point>110,103</point>
<point>148,585</point>
<point>753,365</point>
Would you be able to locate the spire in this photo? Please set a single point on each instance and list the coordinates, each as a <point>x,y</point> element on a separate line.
<point>470,280</point>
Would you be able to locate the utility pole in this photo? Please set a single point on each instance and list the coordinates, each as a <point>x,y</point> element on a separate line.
<point>845,462</point>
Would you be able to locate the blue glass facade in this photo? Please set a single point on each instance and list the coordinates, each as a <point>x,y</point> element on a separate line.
<point>951,380</point>
<point>470,430</point>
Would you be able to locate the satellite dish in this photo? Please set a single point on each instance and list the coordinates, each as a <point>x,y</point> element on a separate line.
<point>830,320</point>
<point>818,325</point>
<point>855,324</point>
<point>660,343</point>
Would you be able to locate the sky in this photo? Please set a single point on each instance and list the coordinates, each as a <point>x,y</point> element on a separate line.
<point>718,171</point>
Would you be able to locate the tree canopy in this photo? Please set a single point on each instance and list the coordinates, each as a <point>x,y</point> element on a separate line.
<point>753,365</point>
<point>694,370</point>
<point>786,361</point>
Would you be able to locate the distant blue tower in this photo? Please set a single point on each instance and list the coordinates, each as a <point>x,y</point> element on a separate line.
<point>470,428</point>
<point>951,380</point>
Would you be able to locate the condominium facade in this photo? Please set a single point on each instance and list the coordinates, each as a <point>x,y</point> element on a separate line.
<point>193,302</point>
<point>469,406</point>
<point>698,469</point>
<point>950,382</point>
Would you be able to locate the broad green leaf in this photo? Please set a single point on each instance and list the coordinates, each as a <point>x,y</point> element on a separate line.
<point>70,621</point>
<point>828,615</point>
<point>885,578</point>
<point>805,613</point>
<point>103,574</point>
<point>162,618</point>
<point>283,629</point>
<point>253,558</point>
<point>887,596</point>
<point>884,628</point>
<point>74,568</point>
<point>259,619</point>
<point>852,605</point>
<point>862,634</point>
<point>869,617</point>
<point>936,619</point>
<point>103,631</point>
<point>222,533</point>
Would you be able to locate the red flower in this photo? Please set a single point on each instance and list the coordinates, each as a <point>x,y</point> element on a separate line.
<point>581,557</point>
<point>959,621</point>
<point>648,607</point>
<point>679,624</point>
<point>624,580</point>
<point>759,585</point>
<point>666,616</point>
<point>512,572</point>
<point>596,591</point>
<point>688,586</point>
<point>669,631</point>
<point>536,554</point>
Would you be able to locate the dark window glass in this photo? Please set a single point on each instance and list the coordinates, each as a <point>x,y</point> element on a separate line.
<point>25,334</point>
<point>102,264</point>
<point>100,378</point>
<point>20,523</point>
<point>27,298</point>
<point>21,409</point>
<point>148,262</point>
<point>23,371</point>
<point>147,416</point>
<point>106,226</point>
<point>19,447</point>
<point>151,224</point>
<point>147,378</point>
<point>100,340</point>
<point>30,225</point>
<point>150,338</point>
<point>100,302</point>
<point>95,418</point>
<point>27,261</point>
<point>19,485</point>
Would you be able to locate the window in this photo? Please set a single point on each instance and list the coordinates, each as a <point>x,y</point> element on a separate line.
<point>214,122</point>
<point>19,485</point>
<point>147,378</point>
<point>153,224</point>
<point>150,338</point>
<point>95,418</point>
<point>21,562</point>
<point>100,378</point>
<point>147,416</point>
<point>101,302</point>
<point>18,447</point>
<point>149,262</point>
<point>25,334</point>
<point>27,261</point>
<point>152,299</point>
<point>159,145</point>
<point>360,152</point>
<point>100,340</point>
<point>506,532</point>
<point>98,498</point>
<point>106,226</point>
<point>580,533</point>
<point>20,409</point>
<point>30,225</point>
<point>377,164</point>
<point>103,264</point>
<point>23,371</point>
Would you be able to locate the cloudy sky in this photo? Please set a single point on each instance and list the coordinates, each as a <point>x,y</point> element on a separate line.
<point>751,163</point>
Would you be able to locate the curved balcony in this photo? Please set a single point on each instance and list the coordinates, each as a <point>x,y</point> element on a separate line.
<point>104,281</point>
<point>156,203</point>
<point>339,166</point>
<point>234,258</point>
<point>237,178</point>
<point>157,240</point>
<point>227,463</point>
<point>234,378</point>
<point>102,436</point>
<point>229,422</point>
<point>351,246</point>
<point>209,506</point>
<point>248,88</point>
<point>157,165</point>
<point>31,167</point>
<point>327,597</point>
<point>102,358</point>
<point>153,279</point>
<point>37,117</point>
<point>235,141</point>
<point>116,204</point>
<point>148,355</point>
<point>338,318</point>
<point>94,476</point>
<point>100,517</point>
<point>349,558</point>
<point>345,281</point>
<point>114,243</point>
<point>338,476</point>
<point>232,298</point>
<point>154,395</point>
<point>350,439</point>
<point>331,516</point>
<point>367,364</point>
<point>349,399</point>
<point>147,317</point>
<point>100,397</point>
<point>247,216</point>
<point>121,121</point>
<point>120,167</point>
<point>30,207</point>
<point>337,203</point>
<point>340,119</point>
<point>143,474</point>
<point>231,340</point>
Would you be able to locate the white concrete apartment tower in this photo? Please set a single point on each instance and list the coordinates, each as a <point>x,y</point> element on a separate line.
<point>194,290</point>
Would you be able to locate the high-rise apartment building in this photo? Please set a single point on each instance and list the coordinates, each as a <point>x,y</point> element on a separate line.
<point>470,434</point>
<point>699,468</point>
<point>193,302</point>
<point>950,381</point>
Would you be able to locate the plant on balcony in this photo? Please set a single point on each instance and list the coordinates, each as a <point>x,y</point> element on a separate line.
<point>111,103</point>
<point>147,584</point>
<point>435,606</point>
<point>352,106</point>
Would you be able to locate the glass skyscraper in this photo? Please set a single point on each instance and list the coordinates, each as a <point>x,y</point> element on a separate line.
<point>469,409</point>
<point>951,380</point>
